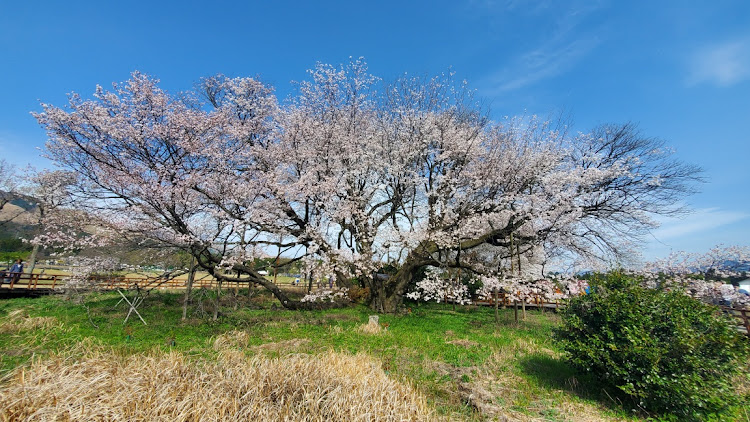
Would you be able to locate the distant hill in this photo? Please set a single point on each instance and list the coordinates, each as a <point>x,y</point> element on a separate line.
<point>18,211</point>
<point>17,221</point>
<point>26,202</point>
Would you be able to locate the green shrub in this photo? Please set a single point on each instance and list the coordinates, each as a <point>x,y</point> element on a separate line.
<point>670,353</point>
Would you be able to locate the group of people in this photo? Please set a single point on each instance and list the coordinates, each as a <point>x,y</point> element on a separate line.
<point>14,273</point>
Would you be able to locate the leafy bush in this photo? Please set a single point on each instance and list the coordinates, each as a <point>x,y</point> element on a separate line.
<point>671,353</point>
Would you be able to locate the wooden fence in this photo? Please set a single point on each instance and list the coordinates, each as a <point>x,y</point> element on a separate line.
<point>30,281</point>
<point>50,282</point>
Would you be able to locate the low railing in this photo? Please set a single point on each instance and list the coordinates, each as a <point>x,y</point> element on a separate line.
<point>30,281</point>
<point>43,281</point>
<point>504,300</point>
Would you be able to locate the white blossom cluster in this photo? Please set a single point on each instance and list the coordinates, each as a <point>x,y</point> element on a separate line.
<point>524,290</point>
<point>327,295</point>
<point>699,275</point>
<point>437,285</point>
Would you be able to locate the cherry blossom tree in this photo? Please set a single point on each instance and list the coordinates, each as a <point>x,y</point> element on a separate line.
<point>49,189</point>
<point>163,172</point>
<point>702,275</point>
<point>9,180</point>
<point>44,189</point>
<point>351,174</point>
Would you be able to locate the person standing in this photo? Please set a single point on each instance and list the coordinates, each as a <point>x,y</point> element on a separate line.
<point>16,270</point>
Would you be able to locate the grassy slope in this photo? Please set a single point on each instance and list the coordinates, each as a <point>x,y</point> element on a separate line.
<point>468,367</point>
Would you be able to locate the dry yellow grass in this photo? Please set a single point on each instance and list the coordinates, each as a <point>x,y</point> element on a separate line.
<point>104,386</point>
<point>18,320</point>
<point>370,329</point>
<point>335,329</point>
<point>283,346</point>
<point>232,340</point>
<point>463,343</point>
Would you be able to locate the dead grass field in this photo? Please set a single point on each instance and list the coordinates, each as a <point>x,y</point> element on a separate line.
<point>105,386</point>
<point>18,320</point>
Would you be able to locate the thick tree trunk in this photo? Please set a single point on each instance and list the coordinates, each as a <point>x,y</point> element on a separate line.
<point>385,303</point>
<point>388,294</point>
<point>342,281</point>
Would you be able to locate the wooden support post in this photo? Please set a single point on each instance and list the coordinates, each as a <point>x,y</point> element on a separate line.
<point>133,306</point>
<point>497,319</point>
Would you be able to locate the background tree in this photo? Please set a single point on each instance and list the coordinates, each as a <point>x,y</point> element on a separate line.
<point>8,191</point>
<point>49,190</point>
<point>163,172</point>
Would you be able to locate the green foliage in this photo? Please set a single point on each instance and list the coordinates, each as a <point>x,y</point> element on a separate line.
<point>670,353</point>
<point>13,244</point>
<point>12,248</point>
<point>7,258</point>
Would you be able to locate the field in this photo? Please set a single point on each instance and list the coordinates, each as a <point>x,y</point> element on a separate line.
<point>430,363</point>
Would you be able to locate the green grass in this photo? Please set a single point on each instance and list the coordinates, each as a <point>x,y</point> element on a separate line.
<point>514,369</point>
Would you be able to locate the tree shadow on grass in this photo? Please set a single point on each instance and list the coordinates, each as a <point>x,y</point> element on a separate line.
<point>555,373</point>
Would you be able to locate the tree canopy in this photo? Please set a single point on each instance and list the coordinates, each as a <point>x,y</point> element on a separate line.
<point>348,175</point>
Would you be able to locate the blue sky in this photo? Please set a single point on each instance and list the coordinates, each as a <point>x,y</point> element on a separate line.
<point>681,69</point>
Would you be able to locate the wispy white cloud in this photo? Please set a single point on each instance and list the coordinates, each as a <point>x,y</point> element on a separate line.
<point>554,56</point>
<point>528,7</point>
<point>542,63</point>
<point>700,221</point>
<point>721,64</point>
